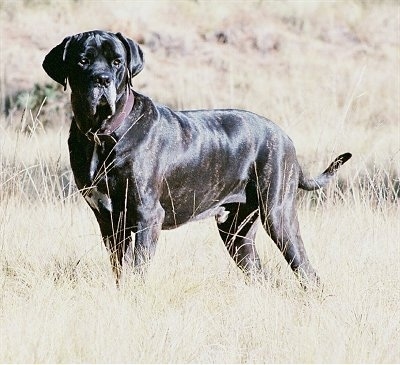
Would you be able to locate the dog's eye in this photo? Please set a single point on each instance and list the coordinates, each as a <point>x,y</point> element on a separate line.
<point>84,61</point>
<point>116,62</point>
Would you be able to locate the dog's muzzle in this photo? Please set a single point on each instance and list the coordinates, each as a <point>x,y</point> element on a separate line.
<point>102,101</point>
<point>102,95</point>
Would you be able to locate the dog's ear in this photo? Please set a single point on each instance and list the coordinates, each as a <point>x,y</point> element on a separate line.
<point>135,60</point>
<point>54,63</point>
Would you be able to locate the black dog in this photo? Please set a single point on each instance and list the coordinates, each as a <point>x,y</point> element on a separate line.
<point>143,167</point>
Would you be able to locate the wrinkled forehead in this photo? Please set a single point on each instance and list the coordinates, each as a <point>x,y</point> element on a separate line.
<point>98,43</point>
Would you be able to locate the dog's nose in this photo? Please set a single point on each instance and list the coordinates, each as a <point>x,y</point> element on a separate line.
<point>102,80</point>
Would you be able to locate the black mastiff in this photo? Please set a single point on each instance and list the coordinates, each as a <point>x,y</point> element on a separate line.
<point>143,167</point>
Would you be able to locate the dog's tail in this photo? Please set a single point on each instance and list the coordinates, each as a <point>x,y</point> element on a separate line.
<point>323,179</point>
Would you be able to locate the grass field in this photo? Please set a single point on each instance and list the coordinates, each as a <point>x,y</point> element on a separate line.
<point>327,72</point>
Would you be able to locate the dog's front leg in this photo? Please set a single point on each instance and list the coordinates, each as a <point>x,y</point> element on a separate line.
<point>149,226</point>
<point>117,239</point>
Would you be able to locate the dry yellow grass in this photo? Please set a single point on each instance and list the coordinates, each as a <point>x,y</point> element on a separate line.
<point>195,305</point>
<point>328,73</point>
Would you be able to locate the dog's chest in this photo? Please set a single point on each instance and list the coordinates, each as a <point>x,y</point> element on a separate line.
<point>98,194</point>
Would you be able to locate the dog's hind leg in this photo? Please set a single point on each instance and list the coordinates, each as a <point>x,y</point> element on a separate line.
<point>279,218</point>
<point>238,232</point>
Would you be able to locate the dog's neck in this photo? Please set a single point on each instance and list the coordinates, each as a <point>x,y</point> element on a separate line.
<point>111,124</point>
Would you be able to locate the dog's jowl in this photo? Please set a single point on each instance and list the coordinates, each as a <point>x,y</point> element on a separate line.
<point>143,167</point>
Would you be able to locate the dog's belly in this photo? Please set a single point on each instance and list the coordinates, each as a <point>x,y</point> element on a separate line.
<point>219,212</point>
<point>197,204</point>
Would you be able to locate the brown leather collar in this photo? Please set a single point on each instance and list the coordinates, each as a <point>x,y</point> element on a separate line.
<point>110,125</point>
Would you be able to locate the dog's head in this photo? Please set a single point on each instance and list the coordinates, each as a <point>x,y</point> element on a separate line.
<point>98,65</point>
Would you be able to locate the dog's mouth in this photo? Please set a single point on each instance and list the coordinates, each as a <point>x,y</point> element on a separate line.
<point>104,109</point>
<point>103,104</point>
